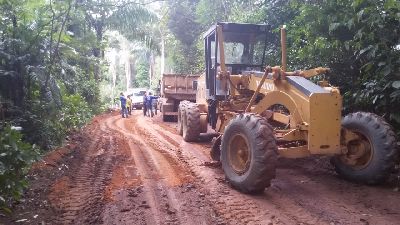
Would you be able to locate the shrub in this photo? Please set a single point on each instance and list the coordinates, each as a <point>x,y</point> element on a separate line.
<point>75,112</point>
<point>15,158</point>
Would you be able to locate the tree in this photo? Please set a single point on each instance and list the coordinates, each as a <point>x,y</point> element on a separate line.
<point>127,17</point>
<point>142,74</point>
<point>182,43</point>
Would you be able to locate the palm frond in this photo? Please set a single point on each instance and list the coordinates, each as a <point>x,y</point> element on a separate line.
<point>133,22</point>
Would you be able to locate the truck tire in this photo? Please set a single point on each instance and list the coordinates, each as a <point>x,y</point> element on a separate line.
<point>249,153</point>
<point>191,122</point>
<point>378,144</point>
<point>164,117</point>
<point>181,111</point>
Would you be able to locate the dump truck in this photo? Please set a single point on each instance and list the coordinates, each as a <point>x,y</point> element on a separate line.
<point>174,89</point>
<point>262,111</point>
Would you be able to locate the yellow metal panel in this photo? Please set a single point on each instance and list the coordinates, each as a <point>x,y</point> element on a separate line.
<point>279,97</point>
<point>201,90</point>
<point>281,92</point>
<point>325,123</point>
<point>282,118</point>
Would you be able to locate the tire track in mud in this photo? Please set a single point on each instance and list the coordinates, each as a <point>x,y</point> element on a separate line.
<point>238,208</point>
<point>78,196</point>
<point>145,171</point>
<point>233,206</point>
<point>162,178</point>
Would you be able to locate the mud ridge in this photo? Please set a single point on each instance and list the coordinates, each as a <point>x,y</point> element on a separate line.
<point>81,200</point>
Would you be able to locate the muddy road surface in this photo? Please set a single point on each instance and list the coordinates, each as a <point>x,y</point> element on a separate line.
<point>139,171</point>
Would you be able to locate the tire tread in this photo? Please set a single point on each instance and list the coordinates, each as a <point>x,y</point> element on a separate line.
<point>388,154</point>
<point>264,167</point>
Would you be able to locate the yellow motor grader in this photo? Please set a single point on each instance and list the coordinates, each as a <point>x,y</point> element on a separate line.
<point>261,111</point>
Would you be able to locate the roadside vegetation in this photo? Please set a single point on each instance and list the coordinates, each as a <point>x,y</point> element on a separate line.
<point>57,70</point>
<point>51,70</point>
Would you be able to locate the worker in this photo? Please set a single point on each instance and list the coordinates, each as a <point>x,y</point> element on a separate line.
<point>144,104</point>
<point>155,104</point>
<point>129,105</point>
<point>149,104</point>
<point>124,112</point>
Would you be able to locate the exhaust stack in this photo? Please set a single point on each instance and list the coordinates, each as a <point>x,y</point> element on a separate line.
<point>283,47</point>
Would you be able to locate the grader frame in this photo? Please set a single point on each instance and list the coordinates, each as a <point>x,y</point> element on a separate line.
<point>241,102</point>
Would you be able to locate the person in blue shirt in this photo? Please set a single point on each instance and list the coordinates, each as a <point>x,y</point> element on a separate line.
<point>124,111</point>
<point>149,104</point>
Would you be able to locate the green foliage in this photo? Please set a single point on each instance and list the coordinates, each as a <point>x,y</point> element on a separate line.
<point>142,75</point>
<point>50,68</point>
<point>45,45</point>
<point>75,112</point>
<point>209,11</point>
<point>182,48</point>
<point>376,44</point>
<point>359,41</point>
<point>134,22</point>
<point>15,158</point>
<point>52,50</point>
<point>42,127</point>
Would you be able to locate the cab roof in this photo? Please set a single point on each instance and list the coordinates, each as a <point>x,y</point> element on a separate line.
<point>238,27</point>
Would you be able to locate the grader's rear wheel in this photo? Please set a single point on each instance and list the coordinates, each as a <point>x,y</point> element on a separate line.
<point>191,122</point>
<point>371,155</point>
<point>249,153</point>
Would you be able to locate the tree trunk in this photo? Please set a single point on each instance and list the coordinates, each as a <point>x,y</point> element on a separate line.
<point>151,68</point>
<point>127,70</point>
<point>162,67</point>
<point>97,51</point>
<point>113,72</point>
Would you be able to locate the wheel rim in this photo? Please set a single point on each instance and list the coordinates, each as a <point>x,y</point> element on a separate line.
<point>239,153</point>
<point>359,152</point>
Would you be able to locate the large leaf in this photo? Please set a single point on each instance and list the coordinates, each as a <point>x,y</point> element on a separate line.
<point>333,26</point>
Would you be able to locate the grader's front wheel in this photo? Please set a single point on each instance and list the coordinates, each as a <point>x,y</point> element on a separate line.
<point>248,153</point>
<point>371,151</point>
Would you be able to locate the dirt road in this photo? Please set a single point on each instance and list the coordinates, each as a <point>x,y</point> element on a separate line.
<point>139,171</point>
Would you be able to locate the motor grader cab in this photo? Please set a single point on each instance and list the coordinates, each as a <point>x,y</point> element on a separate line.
<point>261,111</point>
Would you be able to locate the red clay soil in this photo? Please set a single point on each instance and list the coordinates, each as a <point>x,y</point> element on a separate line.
<point>139,171</point>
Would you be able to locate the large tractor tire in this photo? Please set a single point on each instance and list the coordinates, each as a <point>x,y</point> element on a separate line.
<point>181,111</point>
<point>191,123</point>
<point>249,153</point>
<point>372,156</point>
